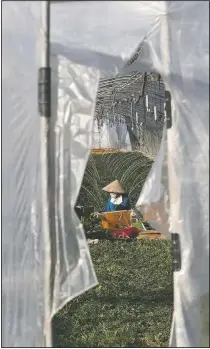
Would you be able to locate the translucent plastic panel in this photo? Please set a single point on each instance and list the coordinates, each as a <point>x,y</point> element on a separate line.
<point>22,239</point>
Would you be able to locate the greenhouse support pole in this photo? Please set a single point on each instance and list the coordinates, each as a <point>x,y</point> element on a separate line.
<point>165,41</point>
<point>44,101</point>
<point>176,251</point>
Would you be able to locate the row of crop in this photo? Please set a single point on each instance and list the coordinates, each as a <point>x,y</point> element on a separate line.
<point>129,168</point>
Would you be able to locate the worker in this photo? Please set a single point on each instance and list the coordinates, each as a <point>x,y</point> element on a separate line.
<point>118,199</point>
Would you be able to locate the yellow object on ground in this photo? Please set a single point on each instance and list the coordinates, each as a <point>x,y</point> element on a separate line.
<point>120,219</point>
<point>116,220</point>
<point>150,235</point>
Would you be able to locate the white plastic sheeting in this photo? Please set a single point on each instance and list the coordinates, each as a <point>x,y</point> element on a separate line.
<point>22,239</point>
<point>109,136</point>
<point>70,142</point>
<point>153,202</point>
<point>184,178</point>
<point>89,39</point>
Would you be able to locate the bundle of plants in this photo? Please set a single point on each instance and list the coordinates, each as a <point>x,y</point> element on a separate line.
<point>93,228</point>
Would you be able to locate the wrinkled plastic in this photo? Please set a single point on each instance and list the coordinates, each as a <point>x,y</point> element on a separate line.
<point>187,166</point>
<point>153,202</point>
<point>22,238</point>
<point>108,136</point>
<point>71,128</point>
<point>92,39</point>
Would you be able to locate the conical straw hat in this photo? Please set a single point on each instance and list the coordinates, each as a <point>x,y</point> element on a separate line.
<point>114,187</point>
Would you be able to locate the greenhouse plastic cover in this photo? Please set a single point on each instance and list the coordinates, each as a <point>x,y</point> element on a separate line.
<point>108,136</point>
<point>89,40</point>
<point>153,202</point>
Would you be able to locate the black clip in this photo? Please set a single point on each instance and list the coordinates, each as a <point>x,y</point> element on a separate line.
<point>44,92</point>
<point>176,252</point>
<point>168,109</point>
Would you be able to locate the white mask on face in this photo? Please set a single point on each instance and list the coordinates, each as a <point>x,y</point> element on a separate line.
<point>113,195</point>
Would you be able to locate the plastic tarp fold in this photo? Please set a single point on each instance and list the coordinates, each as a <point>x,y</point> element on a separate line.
<point>153,202</point>
<point>92,40</point>
<point>73,92</point>
<point>109,136</point>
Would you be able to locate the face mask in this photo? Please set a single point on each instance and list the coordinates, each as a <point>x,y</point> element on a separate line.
<point>113,195</point>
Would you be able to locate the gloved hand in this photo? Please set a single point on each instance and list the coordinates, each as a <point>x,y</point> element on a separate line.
<point>95,214</point>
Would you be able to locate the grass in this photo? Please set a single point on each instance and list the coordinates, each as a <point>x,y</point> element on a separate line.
<point>131,307</point>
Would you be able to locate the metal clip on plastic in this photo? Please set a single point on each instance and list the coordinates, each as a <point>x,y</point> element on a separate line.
<point>168,109</point>
<point>176,252</point>
<point>44,92</point>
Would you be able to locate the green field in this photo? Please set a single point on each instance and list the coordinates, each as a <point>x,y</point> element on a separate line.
<point>132,306</point>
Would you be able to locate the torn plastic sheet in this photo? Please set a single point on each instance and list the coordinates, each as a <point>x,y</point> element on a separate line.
<point>153,202</point>
<point>74,88</point>
<point>92,39</point>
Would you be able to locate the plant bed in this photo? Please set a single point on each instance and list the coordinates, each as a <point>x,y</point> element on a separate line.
<point>131,306</point>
